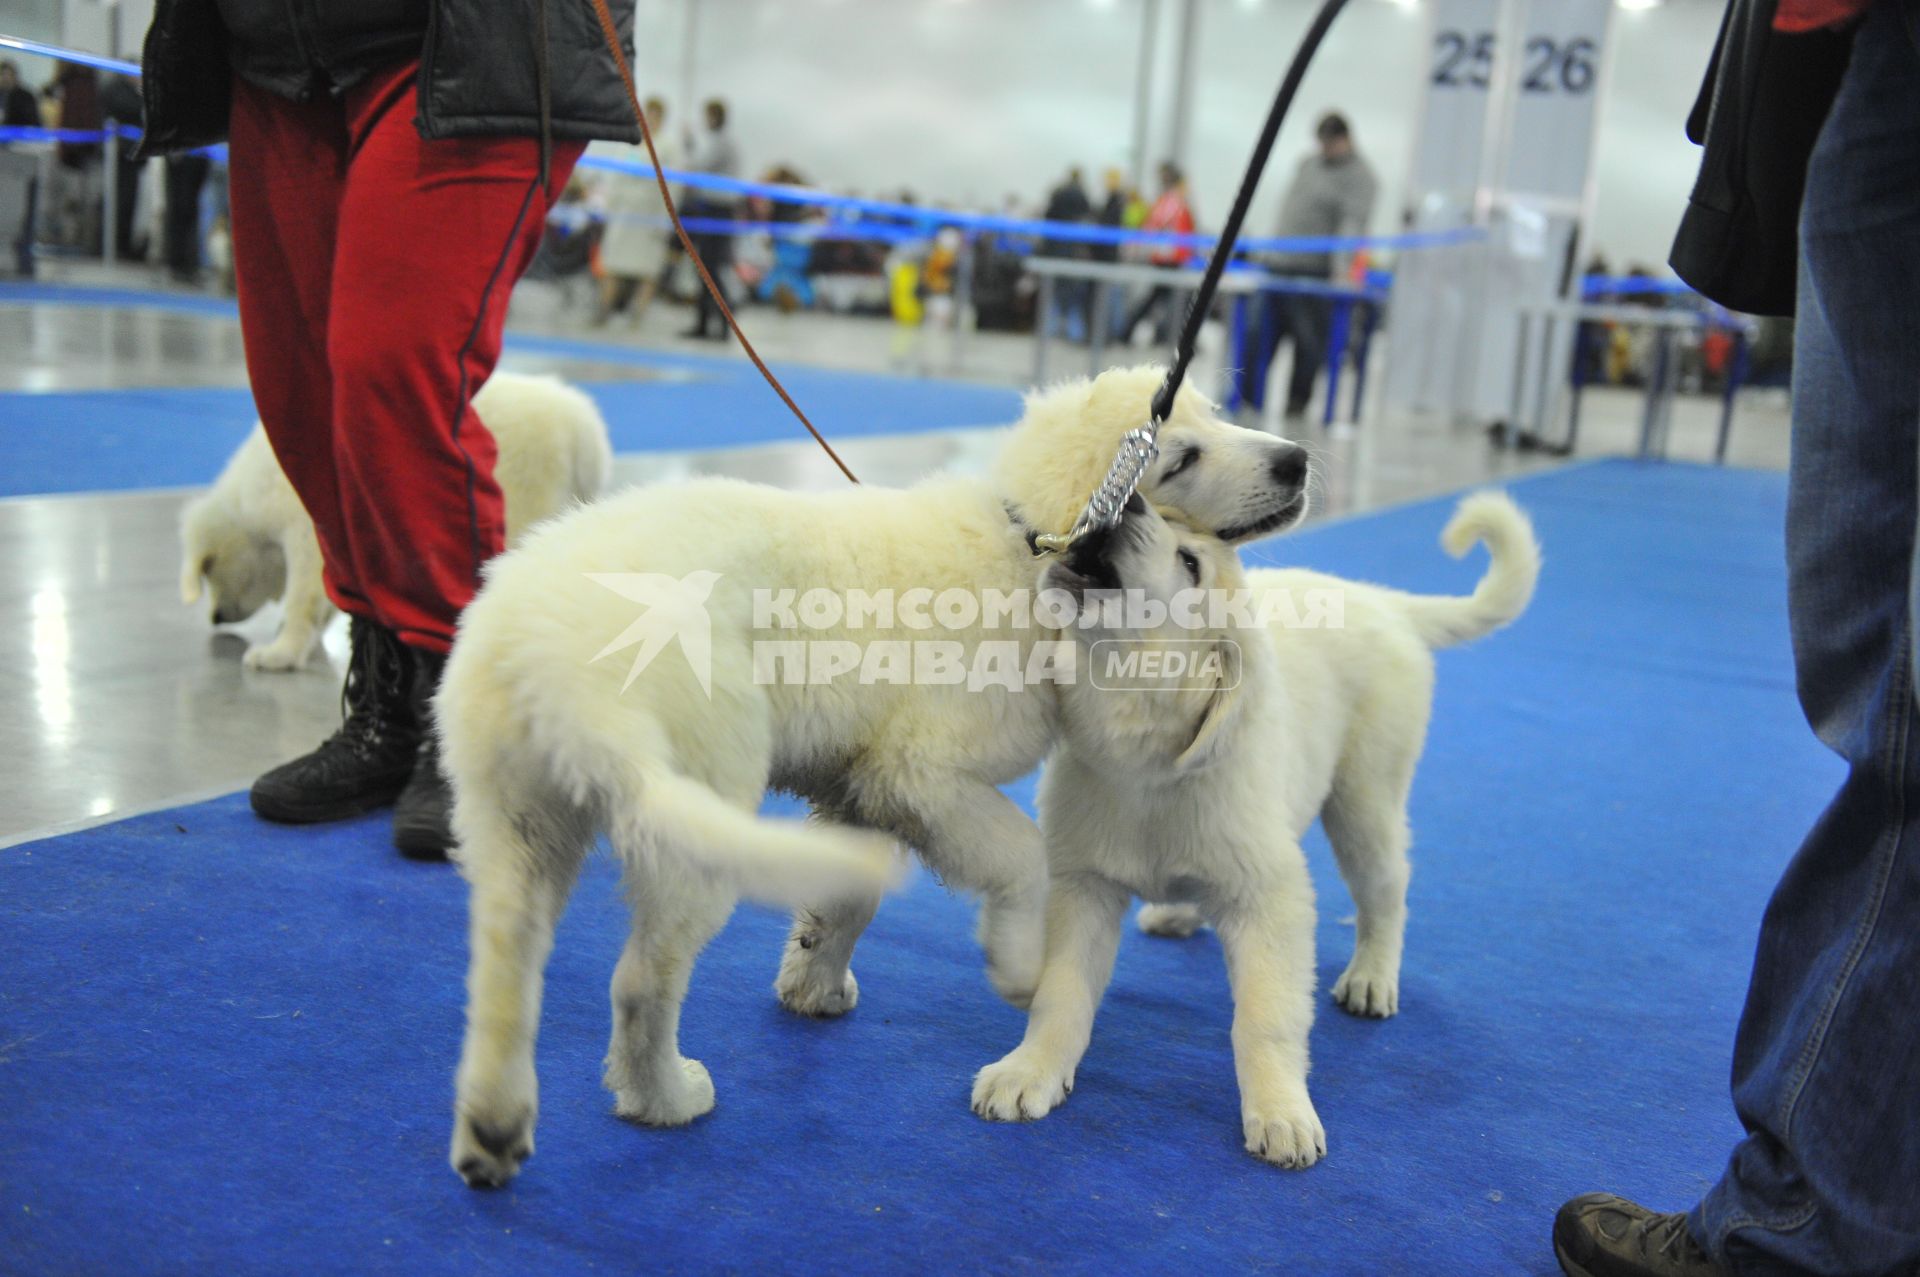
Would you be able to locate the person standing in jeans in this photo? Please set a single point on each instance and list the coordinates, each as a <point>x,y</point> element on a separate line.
<point>715,153</point>
<point>1332,195</point>
<point>391,168</point>
<point>1826,1065</point>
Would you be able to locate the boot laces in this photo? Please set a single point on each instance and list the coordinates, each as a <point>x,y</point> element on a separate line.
<point>1672,1240</point>
<point>375,690</point>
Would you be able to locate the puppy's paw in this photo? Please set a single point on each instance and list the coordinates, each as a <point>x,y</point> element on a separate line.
<point>488,1150</point>
<point>674,1099</point>
<point>1366,990</point>
<point>274,657</point>
<point>1175,922</point>
<point>806,988</point>
<point>1020,1088</point>
<point>1288,1135</point>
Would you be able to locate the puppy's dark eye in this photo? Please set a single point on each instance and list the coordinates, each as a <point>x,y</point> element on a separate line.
<point>1182,463</point>
<point>1191,562</point>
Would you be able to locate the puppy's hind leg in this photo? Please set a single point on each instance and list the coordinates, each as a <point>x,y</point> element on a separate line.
<point>815,976</point>
<point>675,912</point>
<point>1366,822</point>
<point>522,867</point>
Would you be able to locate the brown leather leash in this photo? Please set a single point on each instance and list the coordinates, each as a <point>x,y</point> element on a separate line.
<point>612,36</point>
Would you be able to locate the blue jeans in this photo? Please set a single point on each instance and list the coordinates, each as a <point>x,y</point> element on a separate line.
<point>1826,1067</point>
<point>1072,303</point>
<point>1307,320</point>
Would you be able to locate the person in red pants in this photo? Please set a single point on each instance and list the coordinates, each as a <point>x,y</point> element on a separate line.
<point>392,163</point>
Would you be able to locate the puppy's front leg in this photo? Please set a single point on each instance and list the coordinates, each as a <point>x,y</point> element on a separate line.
<point>1083,934</point>
<point>1268,941</point>
<point>307,608</point>
<point>976,838</point>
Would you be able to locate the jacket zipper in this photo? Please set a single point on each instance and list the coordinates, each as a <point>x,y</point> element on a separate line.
<point>423,98</point>
<point>308,58</point>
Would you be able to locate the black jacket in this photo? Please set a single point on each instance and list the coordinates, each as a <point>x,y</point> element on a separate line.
<point>1759,111</point>
<point>481,64</point>
<point>20,109</point>
<point>1067,203</point>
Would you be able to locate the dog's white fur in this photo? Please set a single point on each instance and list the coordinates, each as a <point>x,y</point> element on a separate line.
<point>1197,791</point>
<point>544,744</point>
<point>248,540</point>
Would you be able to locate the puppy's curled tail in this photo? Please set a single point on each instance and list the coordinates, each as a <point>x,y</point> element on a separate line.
<point>784,863</point>
<point>1506,589</point>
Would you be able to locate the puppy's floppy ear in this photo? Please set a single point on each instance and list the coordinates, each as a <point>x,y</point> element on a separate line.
<point>1222,708</point>
<point>195,559</point>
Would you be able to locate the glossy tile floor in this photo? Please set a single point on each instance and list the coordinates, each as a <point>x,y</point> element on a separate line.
<point>115,698</point>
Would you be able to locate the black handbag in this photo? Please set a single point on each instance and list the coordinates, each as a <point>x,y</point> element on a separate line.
<point>1759,112</point>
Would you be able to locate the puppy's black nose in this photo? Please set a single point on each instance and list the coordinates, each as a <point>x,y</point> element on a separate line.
<point>1290,467</point>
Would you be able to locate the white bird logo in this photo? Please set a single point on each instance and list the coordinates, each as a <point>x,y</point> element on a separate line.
<point>676,609</point>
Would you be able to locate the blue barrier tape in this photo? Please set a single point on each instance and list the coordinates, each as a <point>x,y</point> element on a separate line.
<point>1630,286</point>
<point>59,54</point>
<point>914,215</point>
<point>126,132</point>
<point>912,221</point>
<point>25,133</point>
<point>1073,232</point>
<point>778,230</point>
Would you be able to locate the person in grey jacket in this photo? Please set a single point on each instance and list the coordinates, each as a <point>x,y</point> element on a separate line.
<point>1332,194</point>
<point>392,164</point>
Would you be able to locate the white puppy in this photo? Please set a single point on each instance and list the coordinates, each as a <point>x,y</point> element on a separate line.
<point>545,742</point>
<point>249,541</point>
<point>1193,780</point>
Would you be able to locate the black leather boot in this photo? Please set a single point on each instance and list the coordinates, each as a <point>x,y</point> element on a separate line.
<point>423,816</point>
<point>369,760</point>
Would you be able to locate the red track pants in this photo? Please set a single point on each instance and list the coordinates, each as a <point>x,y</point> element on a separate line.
<point>373,268</point>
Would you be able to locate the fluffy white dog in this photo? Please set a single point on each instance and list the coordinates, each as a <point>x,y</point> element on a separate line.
<point>669,744</point>
<point>248,540</point>
<point>1197,750</point>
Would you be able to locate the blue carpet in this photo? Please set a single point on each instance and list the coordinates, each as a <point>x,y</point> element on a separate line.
<point>227,1047</point>
<point>121,440</point>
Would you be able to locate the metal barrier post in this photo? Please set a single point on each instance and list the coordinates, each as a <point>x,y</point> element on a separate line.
<point>1543,384</point>
<point>965,312</point>
<point>1042,321</point>
<point>1097,326</point>
<point>1510,437</point>
<point>109,196</point>
<point>1736,373</point>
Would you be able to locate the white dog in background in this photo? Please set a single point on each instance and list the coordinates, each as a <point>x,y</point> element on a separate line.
<point>1196,786</point>
<point>249,541</point>
<point>669,744</point>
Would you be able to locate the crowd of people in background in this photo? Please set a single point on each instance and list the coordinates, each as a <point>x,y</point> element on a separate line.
<point>58,205</point>
<point>609,242</point>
